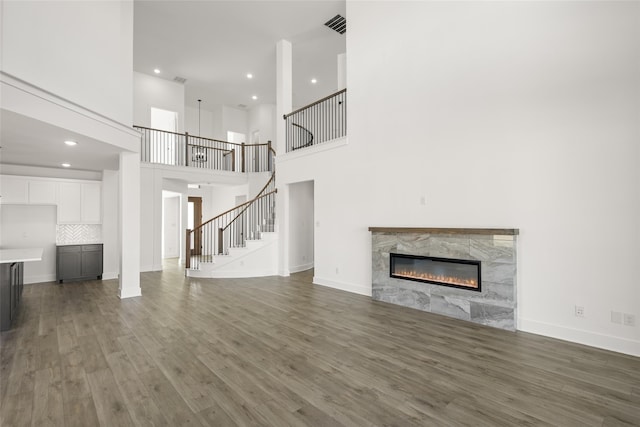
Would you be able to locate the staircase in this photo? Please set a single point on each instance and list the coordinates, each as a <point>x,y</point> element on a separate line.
<point>240,242</point>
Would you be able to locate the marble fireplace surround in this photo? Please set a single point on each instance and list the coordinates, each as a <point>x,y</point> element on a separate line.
<point>495,248</point>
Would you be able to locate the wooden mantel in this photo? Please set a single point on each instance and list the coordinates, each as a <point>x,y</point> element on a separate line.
<point>481,231</point>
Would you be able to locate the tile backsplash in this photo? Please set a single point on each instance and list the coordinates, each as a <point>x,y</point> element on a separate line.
<point>69,234</point>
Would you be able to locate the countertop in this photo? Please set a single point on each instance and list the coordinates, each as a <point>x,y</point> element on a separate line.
<point>20,255</point>
<point>79,244</point>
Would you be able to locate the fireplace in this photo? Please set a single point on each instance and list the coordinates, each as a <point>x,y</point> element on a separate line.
<point>456,273</point>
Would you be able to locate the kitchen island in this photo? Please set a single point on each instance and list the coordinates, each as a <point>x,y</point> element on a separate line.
<point>11,281</point>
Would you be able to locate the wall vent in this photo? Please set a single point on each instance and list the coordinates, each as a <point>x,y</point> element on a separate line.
<point>179,79</point>
<point>337,23</point>
<point>242,106</point>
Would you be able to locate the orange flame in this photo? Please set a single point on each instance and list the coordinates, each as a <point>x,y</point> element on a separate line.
<point>452,280</point>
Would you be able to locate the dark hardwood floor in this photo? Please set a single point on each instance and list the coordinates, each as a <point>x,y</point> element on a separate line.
<point>283,352</point>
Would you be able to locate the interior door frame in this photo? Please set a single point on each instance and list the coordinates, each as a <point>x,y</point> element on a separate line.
<point>197,221</point>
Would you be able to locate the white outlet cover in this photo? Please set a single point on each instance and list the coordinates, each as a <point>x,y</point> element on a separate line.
<point>629,319</point>
<point>616,317</point>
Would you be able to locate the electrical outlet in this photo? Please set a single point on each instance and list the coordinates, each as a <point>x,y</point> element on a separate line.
<point>616,317</point>
<point>579,311</point>
<point>337,270</point>
<point>629,319</point>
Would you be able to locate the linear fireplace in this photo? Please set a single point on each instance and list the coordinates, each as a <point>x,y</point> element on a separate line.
<point>456,273</point>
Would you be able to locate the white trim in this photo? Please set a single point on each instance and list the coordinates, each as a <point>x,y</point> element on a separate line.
<point>299,268</point>
<point>607,342</point>
<point>231,274</point>
<point>40,278</point>
<point>349,287</point>
<point>323,146</point>
<point>45,95</point>
<point>149,268</point>
<point>137,292</point>
<point>110,276</point>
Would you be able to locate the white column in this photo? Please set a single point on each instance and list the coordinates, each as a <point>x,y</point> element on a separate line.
<point>284,91</point>
<point>284,105</point>
<point>342,71</point>
<point>129,233</point>
<point>110,215</point>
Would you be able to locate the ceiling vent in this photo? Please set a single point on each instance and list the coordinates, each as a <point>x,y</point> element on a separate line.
<point>337,23</point>
<point>179,79</point>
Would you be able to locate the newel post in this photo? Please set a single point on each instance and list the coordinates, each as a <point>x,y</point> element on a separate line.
<point>269,156</point>
<point>243,169</point>
<point>186,148</point>
<point>187,258</point>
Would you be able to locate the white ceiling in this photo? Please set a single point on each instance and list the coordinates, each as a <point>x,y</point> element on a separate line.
<point>26,141</point>
<point>214,44</point>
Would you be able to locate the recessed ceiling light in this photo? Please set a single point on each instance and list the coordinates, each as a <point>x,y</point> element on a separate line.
<point>66,165</point>
<point>254,97</point>
<point>156,70</point>
<point>249,75</point>
<point>70,143</point>
<point>314,81</point>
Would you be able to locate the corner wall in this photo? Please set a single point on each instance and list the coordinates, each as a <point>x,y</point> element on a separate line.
<point>494,114</point>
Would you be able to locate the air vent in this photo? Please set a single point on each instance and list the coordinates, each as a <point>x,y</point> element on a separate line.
<point>179,79</point>
<point>337,23</point>
<point>242,106</point>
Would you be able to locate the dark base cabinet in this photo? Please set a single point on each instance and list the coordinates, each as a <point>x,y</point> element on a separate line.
<point>79,262</point>
<point>11,286</point>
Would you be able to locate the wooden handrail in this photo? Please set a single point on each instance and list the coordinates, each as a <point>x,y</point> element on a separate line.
<point>247,207</point>
<point>210,148</point>
<point>236,207</point>
<point>315,103</point>
<point>197,137</point>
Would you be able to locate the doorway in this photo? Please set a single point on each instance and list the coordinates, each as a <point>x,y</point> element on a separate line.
<point>301,226</point>
<point>163,147</point>
<point>194,220</point>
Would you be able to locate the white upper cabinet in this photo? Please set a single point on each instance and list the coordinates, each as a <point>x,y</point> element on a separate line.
<point>78,202</point>
<point>69,196</point>
<point>42,192</point>
<point>91,203</point>
<point>14,189</point>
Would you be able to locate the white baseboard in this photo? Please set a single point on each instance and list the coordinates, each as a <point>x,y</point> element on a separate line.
<point>299,268</point>
<point>135,292</point>
<point>147,268</point>
<point>41,278</point>
<point>110,275</point>
<point>229,274</point>
<point>349,287</point>
<point>607,342</point>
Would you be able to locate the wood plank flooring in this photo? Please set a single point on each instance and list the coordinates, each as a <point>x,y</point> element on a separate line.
<point>283,352</point>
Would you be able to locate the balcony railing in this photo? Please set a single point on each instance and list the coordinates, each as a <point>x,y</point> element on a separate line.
<point>321,121</point>
<point>182,149</point>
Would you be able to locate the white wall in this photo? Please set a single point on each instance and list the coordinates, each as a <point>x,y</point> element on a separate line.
<point>80,51</point>
<point>235,120</point>
<point>150,219</point>
<point>217,199</point>
<point>301,226</point>
<point>150,91</point>
<point>262,118</point>
<point>499,114</point>
<point>207,122</point>
<point>31,226</point>
<point>171,225</point>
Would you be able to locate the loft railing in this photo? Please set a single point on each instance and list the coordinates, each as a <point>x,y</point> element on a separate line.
<point>321,121</point>
<point>182,149</point>
<point>231,229</point>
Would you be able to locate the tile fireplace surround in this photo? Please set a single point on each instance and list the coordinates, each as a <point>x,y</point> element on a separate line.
<point>494,306</point>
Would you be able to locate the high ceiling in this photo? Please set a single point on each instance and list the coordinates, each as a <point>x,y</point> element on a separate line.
<point>214,44</point>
